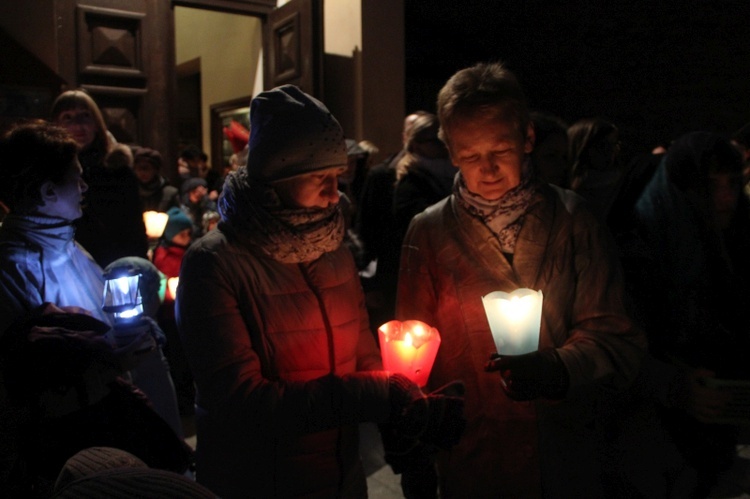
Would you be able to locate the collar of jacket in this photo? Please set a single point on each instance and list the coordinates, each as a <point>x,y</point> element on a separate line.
<point>532,243</point>
<point>39,230</point>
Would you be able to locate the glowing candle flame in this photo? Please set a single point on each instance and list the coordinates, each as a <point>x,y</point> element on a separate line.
<point>409,348</point>
<point>514,320</point>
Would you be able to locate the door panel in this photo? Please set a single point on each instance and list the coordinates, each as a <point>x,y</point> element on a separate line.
<point>122,53</point>
<point>295,46</point>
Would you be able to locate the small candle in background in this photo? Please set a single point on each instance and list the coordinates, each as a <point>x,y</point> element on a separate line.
<point>172,284</point>
<point>155,223</point>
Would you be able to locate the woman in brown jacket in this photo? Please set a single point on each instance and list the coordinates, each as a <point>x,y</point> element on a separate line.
<point>531,431</point>
<point>272,315</point>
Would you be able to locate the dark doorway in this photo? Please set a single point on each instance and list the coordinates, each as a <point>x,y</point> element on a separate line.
<point>189,105</point>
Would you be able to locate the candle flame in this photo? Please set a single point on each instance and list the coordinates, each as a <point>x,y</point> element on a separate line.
<point>517,308</point>
<point>409,348</point>
<point>514,320</point>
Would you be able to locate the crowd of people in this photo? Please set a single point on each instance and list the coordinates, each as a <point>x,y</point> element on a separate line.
<point>291,258</point>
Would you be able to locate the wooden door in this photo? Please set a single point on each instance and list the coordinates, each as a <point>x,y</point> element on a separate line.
<point>122,53</point>
<point>294,46</point>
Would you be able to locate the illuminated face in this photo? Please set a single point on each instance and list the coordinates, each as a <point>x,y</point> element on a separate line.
<point>64,200</point>
<point>312,190</point>
<point>490,151</point>
<point>80,123</point>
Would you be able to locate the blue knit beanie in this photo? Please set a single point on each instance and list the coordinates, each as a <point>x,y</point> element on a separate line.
<point>292,133</point>
<point>177,222</point>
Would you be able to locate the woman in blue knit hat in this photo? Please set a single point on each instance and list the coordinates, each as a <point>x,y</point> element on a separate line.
<point>273,321</point>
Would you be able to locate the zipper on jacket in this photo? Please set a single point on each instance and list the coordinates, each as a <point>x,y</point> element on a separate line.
<point>332,368</point>
<point>326,320</point>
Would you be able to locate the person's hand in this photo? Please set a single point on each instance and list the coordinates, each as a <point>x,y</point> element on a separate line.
<point>54,347</point>
<point>411,459</point>
<point>131,347</point>
<point>434,419</point>
<point>68,317</point>
<point>400,452</point>
<point>182,167</point>
<point>532,375</point>
<point>155,330</point>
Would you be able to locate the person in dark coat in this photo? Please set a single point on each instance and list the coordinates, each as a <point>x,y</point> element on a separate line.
<point>423,176</point>
<point>274,325</point>
<point>196,203</point>
<point>112,223</point>
<point>693,296</point>
<point>155,191</point>
<point>375,226</point>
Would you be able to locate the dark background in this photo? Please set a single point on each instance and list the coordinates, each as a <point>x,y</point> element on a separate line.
<point>655,68</point>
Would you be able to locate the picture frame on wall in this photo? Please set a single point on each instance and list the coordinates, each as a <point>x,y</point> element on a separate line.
<point>295,47</point>
<point>222,115</point>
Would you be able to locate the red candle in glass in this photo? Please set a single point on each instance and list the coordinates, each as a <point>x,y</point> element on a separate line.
<point>409,348</point>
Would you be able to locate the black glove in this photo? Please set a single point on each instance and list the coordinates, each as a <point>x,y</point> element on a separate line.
<point>401,452</point>
<point>155,330</point>
<point>419,481</point>
<point>411,459</point>
<point>434,419</point>
<point>532,375</point>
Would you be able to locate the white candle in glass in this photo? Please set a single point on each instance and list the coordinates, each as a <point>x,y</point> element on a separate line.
<point>515,319</point>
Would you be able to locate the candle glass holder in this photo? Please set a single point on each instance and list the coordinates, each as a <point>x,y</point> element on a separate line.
<point>122,299</point>
<point>514,319</point>
<point>409,348</point>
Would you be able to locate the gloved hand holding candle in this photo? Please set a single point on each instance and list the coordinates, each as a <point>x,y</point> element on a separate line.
<point>526,372</point>
<point>531,375</point>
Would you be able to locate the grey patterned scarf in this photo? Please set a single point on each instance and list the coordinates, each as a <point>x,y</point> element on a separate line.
<point>503,216</point>
<point>287,235</point>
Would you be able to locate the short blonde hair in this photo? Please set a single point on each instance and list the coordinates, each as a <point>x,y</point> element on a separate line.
<point>477,89</point>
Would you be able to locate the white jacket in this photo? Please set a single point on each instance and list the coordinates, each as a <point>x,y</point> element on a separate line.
<point>40,262</point>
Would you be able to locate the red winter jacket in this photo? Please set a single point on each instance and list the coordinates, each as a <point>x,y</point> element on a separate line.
<point>277,351</point>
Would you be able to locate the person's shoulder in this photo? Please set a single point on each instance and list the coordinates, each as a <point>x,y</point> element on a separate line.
<point>213,241</point>
<point>573,212</point>
<point>381,171</point>
<point>224,243</point>
<point>438,209</point>
<point>571,200</point>
<point>433,216</point>
<point>13,248</point>
<point>20,263</point>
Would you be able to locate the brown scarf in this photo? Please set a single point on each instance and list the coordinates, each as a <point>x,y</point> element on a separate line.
<point>288,235</point>
<point>503,216</point>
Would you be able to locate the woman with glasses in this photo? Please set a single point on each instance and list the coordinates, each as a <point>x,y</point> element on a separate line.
<point>112,224</point>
